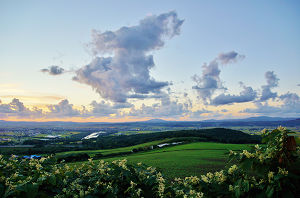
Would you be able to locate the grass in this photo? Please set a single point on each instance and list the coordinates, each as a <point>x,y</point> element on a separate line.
<point>184,160</point>
<point>117,150</point>
<point>133,132</point>
<point>69,134</point>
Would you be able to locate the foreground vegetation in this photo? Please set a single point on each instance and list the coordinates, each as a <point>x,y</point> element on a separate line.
<point>269,171</point>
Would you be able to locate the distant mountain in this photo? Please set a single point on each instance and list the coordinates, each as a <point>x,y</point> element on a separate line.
<point>156,121</point>
<point>266,118</point>
<point>295,122</point>
<point>260,120</point>
<point>253,119</point>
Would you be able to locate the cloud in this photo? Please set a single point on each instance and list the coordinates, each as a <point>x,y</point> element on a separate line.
<point>97,109</point>
<point>247,95</point>
<point>230,57</point>
<point>209,82</point>
<point>290,106</point>
<point>17,109</point>
<point>53,70</point>
<point>63,109</point>
<point>166,108</point>
<point>102,109</point>
<point>272,82</point>
<point>262,109</point>
<point>126,74</point>
<point>198,114</point>
<point>291,102</point>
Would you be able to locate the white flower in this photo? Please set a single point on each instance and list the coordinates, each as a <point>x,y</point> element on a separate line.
<point>199,195</point>
<point>247,154</point>
<point>283,171</point>
<point>204,178</point>
<point>210,175</point>
<point>270,176</point>
<point>232,169</point>
<point>138,192</point>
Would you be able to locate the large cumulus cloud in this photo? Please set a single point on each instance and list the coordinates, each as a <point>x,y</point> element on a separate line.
<point>104,109</point>
<point>289,106</point>
<point>165,108</point>
<point>199,113</point>
<point>17,109</point>
<point>126,73</point>
<point>63,109</point>
<point>247,95</point>
<point>210,81</point>
<point>272,82</point>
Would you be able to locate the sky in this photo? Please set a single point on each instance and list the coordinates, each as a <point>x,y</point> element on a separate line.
<point>118,61</point>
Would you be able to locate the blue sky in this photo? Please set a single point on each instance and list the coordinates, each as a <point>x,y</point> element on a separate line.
<point>36,35</point>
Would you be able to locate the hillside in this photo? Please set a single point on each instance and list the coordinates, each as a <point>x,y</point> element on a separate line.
<point>212,135</point>
<point>180,160</point>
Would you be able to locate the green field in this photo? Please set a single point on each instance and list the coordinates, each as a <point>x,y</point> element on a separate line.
<point>184,160</point>
<point>117,150</point>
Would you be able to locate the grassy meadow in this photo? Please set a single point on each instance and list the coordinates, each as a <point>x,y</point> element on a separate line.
<point>104,152</point>
<point>180,160</point>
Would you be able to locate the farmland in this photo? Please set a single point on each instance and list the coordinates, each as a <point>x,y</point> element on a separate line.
<point>181,160</point>
<point>200,150</point>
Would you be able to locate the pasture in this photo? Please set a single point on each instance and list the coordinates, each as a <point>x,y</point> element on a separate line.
<point>184,160</point>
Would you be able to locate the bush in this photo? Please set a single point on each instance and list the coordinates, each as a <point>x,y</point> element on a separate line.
<point>45,178</point>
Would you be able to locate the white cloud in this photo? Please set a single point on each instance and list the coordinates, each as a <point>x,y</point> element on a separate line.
<point>210,81</point>
<point>230,57</point>
<point>53,70</point>
<point>17,109</point>
<point>166,108</point>
<point>290,106</point>
<point>272,82</point>
<point>63,109</point>
<point>126,74</point>
<point>247,95</point>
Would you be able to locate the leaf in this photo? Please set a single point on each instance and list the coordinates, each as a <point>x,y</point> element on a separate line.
<point>269,191</point>
<point>52,180</point>
<point>247,164</point>
<point>2,189</point>
<point>237,192</point>
<point>246,185</point>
